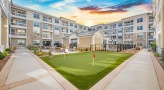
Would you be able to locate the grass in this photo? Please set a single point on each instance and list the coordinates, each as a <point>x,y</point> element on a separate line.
<point>79,70</point>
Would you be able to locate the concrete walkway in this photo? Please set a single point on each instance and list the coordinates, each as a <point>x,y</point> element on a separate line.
<point>25,71</point>
<point>137,73</point>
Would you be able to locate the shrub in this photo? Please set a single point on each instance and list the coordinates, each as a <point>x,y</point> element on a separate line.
<point>40,53</point>
<point>2,55</point>
<point>153,45</point>
<point>7,49</point>
<point>86,49</point>
<point>6,53</point>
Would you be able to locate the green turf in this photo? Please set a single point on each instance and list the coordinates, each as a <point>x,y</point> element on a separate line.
<point>79,69</point>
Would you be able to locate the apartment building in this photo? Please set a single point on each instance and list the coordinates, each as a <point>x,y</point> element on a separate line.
<point>31,27</point>
<point>158,12</point>
<point>4,23</point>
<point>131,30</point>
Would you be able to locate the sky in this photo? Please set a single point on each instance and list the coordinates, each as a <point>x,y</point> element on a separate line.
<point>89,12</point>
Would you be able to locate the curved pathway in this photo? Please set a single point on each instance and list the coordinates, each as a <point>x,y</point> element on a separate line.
<point>25,71</point>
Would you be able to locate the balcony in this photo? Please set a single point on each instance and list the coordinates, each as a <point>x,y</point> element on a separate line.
<point>151,20</point>
<point>18,35</point>
<point>151,37</point>
<point>19,15</point>
<point>151,29</point>
<point>47,37</point>
<point>18,25</point>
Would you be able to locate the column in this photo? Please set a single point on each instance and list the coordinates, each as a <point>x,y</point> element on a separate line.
<point>93,40</point>
<point>7,31</point>
<point>0,26</point>
<point>162,29</point>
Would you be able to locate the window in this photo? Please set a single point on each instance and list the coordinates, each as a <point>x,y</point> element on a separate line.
<point>56,20</point>
<point>106,27</point>
<point>36,42</point>
<point>56,27</point>
<point>84,28</point>
<point>21,42</point>
<point>129,29</point>
<point>139,20</point>
<point>119,24</point>
<point>36,24</point>
<point>75,26</point>
<point>106,32</point>
<point>36,15</point>
<point>120,30</point>
<point>120,37</point>
<point>128,23</point>
<point>139,27</point>
<point>71,24</point>
<point>71,30</point>
<point>140,35</point>
<point>139,43</point>
<point>114,25</point>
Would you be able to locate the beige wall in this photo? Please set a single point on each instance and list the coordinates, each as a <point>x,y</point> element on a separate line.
<point>66,42</point>
<point>14,42</point>
<point>4,31</point>
<point>84,41</point>
<point>29,32</point>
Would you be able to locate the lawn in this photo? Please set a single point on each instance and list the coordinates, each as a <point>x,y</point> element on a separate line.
<point>79,70</point>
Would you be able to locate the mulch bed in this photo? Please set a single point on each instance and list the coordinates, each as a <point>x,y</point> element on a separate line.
<point>160,62</point>
<point>4,61</point>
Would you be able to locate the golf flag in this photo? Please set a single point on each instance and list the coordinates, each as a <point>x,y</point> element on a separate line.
<point>94,55</point>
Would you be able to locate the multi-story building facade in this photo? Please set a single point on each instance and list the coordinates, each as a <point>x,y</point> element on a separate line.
<point>4,23</point>
<point>158,12</point>
<point>31,27</point>
<point>131,30</point>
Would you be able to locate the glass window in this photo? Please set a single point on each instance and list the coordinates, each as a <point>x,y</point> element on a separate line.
<point>36,42</point>
<point>71,24</point>
<point>21,42</point>
<point>75,26</point>
<point>106,27</point>
<point>71,30</point>
<point>139,27</point>
<point>140,35</point>
<point>129,29</point>
<point>119,24</point>
<point>56,20</point>
<point>36,15</point>
<point>139,20</point>
<point>36,24</point>
<point>56,27</point>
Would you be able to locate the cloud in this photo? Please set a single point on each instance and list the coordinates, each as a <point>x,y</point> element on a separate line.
<point>108,11</point>
<point>146,7</point>
<point>128,4</point>
<point>90,8</point>
<point>73,16</point>
<point>61,4</point>
<point>98,10</point>
<point>88,0</point>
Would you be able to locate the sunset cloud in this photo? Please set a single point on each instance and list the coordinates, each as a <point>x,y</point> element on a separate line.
<point>89,12</point>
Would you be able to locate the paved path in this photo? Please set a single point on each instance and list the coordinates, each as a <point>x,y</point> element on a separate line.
<point>26,72</point>
<point>139,74</point>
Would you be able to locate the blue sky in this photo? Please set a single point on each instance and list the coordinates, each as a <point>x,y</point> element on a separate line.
<point>89,12</point>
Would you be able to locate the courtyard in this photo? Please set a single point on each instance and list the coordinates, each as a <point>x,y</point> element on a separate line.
<point>79,69</point>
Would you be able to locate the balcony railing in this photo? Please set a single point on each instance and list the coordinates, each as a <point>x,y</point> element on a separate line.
<point>151,20</point>
<point>18,14</point>
<point>151,37</point>
<point>18,24</point>
<point>18,34</point>
<point>47,37</point>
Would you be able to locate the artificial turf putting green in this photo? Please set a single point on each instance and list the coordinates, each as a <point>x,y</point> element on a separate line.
<point>79,70</point>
